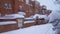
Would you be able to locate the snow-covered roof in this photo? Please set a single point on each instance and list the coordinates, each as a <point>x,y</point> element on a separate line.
<point>7,22</point>
<point>39,16</point>
<point>12,16</point>
<point>38,29</point>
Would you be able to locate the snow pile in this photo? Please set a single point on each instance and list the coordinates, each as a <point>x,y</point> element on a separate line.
<point>31,19</point>
<point>40,16</point>
<point>39,29</point>
<point>54,15</point>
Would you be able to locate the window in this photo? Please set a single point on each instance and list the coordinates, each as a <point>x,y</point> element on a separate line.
<point>30,3</point>
<point>36,11</point>
<point>37,4</point>
<point>27,1</point>
<point>21,0</point>
<point>31,10</point>
<point>43,12</point>
<point>7,6</point>
<point>20,6</point>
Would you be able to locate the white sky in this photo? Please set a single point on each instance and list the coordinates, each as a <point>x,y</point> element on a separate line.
<point>50,4</point>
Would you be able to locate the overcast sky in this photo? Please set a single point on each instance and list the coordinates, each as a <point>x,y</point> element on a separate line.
<point>50,4</point>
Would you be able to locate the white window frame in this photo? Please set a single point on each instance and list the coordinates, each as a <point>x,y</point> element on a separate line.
<point>20,6</point>
<point>7,6</point>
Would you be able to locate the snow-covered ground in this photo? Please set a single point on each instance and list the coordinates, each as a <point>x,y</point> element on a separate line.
<point>38,29</point>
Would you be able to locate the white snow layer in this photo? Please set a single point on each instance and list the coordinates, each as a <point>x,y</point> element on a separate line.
<point>54,15</point>
<point>29,18</point>
<point>21,13</point>
<point>12,16</point>
<point>16,15</point>
<point>29,21</point>
<point>50,4</point>
<point>40,16</point>
<point>39,29</point>
<point>7,22</point>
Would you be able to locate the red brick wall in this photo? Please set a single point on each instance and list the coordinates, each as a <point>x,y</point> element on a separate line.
<point>3,10</point>
<point>15,7</point>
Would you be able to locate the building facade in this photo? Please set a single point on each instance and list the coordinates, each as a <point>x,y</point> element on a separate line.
<point>30,7</point>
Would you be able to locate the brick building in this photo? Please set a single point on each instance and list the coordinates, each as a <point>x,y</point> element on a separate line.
<point>36,6</point>
<point>7,7</point>
<point>30,7</point>
<point>14,6</point>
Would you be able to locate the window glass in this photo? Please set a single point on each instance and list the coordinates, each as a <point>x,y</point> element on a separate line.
<point>7,6</point>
